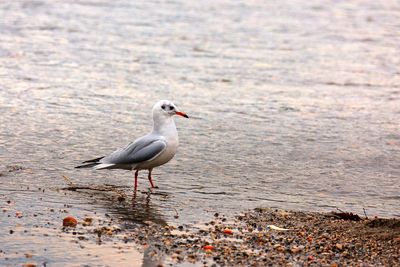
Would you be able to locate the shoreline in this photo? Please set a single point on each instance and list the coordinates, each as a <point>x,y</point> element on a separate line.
<point>266,236</point>
<point>257,237</point>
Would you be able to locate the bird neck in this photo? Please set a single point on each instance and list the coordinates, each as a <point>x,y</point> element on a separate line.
<point>164,126</point>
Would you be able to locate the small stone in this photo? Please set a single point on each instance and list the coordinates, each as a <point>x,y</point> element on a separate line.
<point>228,231</point>
<point>339,246</point>
<point>301,234</point>
<point>87,221</point>
<point>208,247</point>
<point>325,236</point>
<point>296,249</point>
<point>70,222</point>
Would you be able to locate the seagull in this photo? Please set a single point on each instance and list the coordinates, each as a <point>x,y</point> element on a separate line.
<point>149,151</point>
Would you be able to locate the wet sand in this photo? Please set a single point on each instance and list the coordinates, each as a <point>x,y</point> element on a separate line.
<point>277,237</point>
<point>258,237</point>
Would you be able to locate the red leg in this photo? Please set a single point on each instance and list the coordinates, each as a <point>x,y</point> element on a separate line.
<point>151,182</point>
<point>136,176</point>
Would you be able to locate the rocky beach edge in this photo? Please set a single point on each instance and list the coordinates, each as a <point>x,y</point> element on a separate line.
<point>271,237</point>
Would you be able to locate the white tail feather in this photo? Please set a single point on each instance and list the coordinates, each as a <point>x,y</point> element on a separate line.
<point>103,166</point>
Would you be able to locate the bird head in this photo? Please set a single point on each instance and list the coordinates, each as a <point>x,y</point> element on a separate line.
<point>166,109</point>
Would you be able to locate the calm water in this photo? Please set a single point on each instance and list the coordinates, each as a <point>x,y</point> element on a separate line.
<point>293,105</point>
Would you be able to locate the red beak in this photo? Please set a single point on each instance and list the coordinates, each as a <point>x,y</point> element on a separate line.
<point>183,114</point>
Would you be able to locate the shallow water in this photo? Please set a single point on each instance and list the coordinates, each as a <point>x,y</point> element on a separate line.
<point>293,105</point>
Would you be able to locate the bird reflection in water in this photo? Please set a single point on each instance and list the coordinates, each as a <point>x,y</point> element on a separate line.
<point>130,209</point>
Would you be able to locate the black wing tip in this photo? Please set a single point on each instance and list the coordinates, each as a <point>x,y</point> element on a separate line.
<point>88,165</point>
<point>96,160</point>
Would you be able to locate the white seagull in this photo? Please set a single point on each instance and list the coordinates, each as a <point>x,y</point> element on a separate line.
<point>149,151</point>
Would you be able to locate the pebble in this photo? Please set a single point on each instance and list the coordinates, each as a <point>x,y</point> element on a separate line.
<point>297,249</point>
<point>339,246</point>
<point>317,239</point>
<point>69,221</point>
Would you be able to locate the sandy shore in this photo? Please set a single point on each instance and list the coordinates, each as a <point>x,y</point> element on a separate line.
<point>260,237</point>
<point>265,237</point>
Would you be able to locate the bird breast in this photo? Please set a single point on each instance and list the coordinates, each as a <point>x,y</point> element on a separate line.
<point>165,156</point>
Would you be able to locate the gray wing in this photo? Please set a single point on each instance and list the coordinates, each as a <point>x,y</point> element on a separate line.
<point>141,150</point>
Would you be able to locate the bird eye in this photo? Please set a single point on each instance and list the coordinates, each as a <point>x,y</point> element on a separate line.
<point>163,106</point>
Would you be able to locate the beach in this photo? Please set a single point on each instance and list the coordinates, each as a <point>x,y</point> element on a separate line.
<point>258,237</point>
